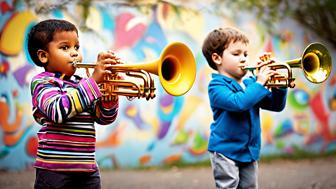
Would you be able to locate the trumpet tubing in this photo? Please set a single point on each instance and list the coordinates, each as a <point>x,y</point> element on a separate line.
<point>176,69</point>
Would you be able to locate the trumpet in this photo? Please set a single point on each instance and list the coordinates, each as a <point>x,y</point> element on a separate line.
<point>176,68</point>
<point>315,63</point>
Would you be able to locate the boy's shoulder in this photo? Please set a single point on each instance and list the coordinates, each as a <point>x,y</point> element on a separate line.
<point>43,76</point>
<point>228,83</point>
<point>54,77</point>
<point>220,80</point>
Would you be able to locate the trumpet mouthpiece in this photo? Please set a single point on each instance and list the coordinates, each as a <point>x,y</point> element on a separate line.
<point>74,63</point>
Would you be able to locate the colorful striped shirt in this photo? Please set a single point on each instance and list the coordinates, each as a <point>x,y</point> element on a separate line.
<point>67,110</point>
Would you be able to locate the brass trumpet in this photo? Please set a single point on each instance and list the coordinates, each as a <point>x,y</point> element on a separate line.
<point>176,69</point>
<point>315,62</point>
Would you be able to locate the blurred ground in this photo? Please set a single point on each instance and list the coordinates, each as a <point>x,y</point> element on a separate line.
<point>277,174</point>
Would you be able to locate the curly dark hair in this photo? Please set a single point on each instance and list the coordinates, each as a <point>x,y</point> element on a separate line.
<point>218,40</point>
<point>42,34</point>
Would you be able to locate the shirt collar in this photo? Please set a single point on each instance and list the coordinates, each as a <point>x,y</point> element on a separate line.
<point>62,76</point>
<point>220,76</point>
<point>233,83</point>
<point>229,81</point>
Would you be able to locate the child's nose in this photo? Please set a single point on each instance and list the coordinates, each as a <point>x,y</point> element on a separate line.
<point>74,53</point>
<point>243,59</point>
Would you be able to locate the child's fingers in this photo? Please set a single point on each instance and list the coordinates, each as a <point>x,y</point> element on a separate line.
<point>262,64</point>
<point>111,61</point>
<point>110,52</point>
<point>100,56</point>
<point>272,73</point>
<point>106,55</point>
<point>264,68</point>
<point>267,72</point>
<point>107,72</point>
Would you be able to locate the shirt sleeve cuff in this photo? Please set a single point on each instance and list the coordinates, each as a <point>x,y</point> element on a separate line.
<point>109,104</point>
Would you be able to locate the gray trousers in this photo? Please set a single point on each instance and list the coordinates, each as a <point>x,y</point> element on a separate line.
<point>231,174</point>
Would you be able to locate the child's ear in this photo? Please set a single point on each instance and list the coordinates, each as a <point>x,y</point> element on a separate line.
<point>43,56</point>
<point>216,58</point>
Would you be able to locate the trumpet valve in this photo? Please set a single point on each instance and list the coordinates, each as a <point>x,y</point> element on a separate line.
<point>107,88</point>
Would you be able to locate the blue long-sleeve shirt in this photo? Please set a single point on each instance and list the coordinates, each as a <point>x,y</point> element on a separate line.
<point>235,130</point>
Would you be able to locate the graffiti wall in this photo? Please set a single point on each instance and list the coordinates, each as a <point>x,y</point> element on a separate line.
<point>167,129</point>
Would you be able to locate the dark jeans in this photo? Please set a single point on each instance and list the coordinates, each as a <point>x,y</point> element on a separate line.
<point>46,179</point>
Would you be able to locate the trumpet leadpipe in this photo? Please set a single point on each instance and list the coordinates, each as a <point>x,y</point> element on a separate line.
<point>83,65</point>
<point>114,67</point>
<point>249,68</point>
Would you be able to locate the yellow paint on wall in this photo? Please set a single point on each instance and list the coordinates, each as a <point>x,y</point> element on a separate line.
<point>186,20</point>
<point>94,20</point>
<point>266,127</point>
<point>13,33</point>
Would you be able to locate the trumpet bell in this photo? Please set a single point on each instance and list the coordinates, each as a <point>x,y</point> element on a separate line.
<point>176,69</point>
<point>316,63</point>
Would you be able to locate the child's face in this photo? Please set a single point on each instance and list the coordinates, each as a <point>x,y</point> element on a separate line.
<point>229,64</point>
<point>62,51</point>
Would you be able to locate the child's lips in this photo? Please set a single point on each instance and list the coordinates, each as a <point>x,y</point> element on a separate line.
<point>73,63</point>
<point>242,66</point>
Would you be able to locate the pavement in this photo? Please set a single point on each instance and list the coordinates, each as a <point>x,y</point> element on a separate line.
<point>277,174</point>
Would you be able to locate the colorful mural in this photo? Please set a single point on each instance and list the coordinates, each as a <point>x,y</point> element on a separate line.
<point>167,129</point>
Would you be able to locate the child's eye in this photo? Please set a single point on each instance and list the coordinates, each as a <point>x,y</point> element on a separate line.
<point>64,47</point>
<point>77,47</point>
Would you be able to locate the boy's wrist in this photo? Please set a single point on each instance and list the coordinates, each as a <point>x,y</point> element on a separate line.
<point>261,83</point>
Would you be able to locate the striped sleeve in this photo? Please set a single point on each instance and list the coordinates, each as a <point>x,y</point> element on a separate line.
<point>106,112</point>
<point>59,104</point>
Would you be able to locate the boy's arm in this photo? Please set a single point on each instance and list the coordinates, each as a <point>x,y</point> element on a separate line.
<point>59,105</point>
<point>275,101</point>
<point>106,111</point>
<point>224,98</point>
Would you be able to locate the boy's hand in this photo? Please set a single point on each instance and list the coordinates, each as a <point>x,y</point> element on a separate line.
<point>264,74</point>
<point>264,71</point>
<point>105,60</point>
